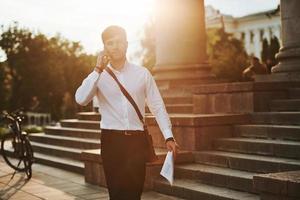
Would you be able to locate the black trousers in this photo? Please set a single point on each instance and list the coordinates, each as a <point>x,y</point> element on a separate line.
<point>124,163</point>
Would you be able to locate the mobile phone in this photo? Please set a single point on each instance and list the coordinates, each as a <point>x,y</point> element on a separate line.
<point>105,58</point>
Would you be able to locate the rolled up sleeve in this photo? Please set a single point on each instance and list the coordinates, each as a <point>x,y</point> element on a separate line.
<point>87,90</point>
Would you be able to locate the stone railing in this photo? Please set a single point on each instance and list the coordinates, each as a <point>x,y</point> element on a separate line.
<point>40,119</point>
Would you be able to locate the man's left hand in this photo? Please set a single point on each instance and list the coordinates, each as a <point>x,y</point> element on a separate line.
<point>172,146</point>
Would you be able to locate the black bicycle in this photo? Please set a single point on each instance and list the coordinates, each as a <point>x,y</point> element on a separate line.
<point>15,145</point>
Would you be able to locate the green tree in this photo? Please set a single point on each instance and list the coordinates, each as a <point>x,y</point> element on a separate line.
<point>227,55</point>
<point>147,54</point>
<point>43,67</point>
<point>5,85</point>
<point>274,49</point>
<point>265,53</point>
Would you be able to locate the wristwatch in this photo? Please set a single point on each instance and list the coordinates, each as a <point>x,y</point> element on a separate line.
<point>170,139</point>
<point>98,69</point>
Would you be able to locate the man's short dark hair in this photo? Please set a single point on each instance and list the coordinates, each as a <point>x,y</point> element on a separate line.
<point>113,31</point>
<point>255,58</point>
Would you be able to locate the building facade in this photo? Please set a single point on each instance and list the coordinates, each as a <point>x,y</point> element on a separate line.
<point>251,29</point>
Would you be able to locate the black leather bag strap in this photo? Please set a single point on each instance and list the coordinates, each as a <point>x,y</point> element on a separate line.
<point>127,95</point>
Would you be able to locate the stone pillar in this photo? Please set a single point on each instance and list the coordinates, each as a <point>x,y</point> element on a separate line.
<point>247,41</point>
<point>289,54</point>
<point>181,41</point>
<point>257,43</point>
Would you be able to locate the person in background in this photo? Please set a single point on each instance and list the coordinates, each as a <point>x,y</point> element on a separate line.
<point>255,68</point>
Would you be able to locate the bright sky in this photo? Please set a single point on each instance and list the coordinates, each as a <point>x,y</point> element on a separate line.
<point>84,21</point>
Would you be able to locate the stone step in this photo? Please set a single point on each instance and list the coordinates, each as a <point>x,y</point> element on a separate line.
<point>246,162</point>
<point>204,119</point>
<point>176,118</point>
<point>294,93</point>
<point>79,143</point>
<point>218,176</point>
<point>180,108</point>
<point>183,156</point>
<point>178,100</point>
<point>185,83</point>
<point>195,190</point>
<point>83,124</point>
<point>90,116</point>
<point>277,118</point>
<point>285,105</point>
<point>72,132</point>
<point>277,148</point>
<point>59,162</point>
<point>58,151</point>
<point>175,92</point>
<point>177,108</point>
<point>287,132</point>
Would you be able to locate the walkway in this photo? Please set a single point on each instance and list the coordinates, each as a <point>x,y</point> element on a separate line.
<point>52,183</point>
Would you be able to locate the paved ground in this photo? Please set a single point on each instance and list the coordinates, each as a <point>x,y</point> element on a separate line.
<point>52,183</point>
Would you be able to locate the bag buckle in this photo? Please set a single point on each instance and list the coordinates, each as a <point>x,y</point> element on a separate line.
<point>127,133</point>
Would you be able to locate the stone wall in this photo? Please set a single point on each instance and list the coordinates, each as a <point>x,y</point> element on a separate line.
<point>238,97</point>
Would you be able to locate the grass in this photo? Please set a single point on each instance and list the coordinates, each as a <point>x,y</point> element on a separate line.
<point>33,129</point>
<point>30,129</point>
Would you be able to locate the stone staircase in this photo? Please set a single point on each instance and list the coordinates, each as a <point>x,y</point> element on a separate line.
<point>61,146</point>
<point>271,143</point>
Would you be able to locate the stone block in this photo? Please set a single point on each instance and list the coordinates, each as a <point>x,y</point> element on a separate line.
<point>196,132</point>
<point>282,185</point>
<point>94,172</point>
<point>222,103</point>
<point>203,104</point>
<point>242,102</point>
<point>207,134</point>
<point>262,99</point>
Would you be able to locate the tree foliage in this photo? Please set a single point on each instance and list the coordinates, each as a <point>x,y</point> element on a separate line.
<point>265,53</point>
<point>274,49</point>
<point>46,67</point>
<point>147,54</point>
<point>227,55</point>
<point>269,50</point>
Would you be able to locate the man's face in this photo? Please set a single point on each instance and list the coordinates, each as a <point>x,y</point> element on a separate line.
<point>116,47</point>
<point>254,61</point>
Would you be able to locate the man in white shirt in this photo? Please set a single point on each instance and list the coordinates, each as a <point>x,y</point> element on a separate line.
<point>122,143</point>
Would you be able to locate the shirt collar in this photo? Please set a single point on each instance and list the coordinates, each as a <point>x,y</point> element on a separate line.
<point>123,69</point>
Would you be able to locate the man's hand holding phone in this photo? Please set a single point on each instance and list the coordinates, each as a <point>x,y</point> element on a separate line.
<point>102,62</point>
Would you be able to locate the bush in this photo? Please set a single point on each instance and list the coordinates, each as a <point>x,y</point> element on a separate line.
<point>227,55</point>
<point>3,131</point>
<point>33,129</point>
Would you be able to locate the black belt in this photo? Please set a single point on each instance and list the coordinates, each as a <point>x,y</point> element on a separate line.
<point>123,132</point>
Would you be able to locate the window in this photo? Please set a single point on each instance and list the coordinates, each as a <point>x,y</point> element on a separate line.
<point>261,35</point>
<point>243,36</point>
<point>251,37</point>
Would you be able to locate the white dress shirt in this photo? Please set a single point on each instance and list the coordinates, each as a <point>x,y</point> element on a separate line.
<point>116,111</point>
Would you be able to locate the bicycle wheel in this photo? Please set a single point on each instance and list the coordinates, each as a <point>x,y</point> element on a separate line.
<point>29,172</point>
<point>15,152</point>
<point>28,160</point>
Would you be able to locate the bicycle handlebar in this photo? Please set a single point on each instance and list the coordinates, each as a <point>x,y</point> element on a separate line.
<point>16,115</point>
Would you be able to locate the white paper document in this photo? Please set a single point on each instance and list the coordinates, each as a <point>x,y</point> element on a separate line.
<point>167,170</point>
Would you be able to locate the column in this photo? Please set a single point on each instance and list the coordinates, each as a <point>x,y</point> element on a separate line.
<point>257,43</point>
<point>247,41</point>
<point>289,54</point>
<point>181,41</point>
